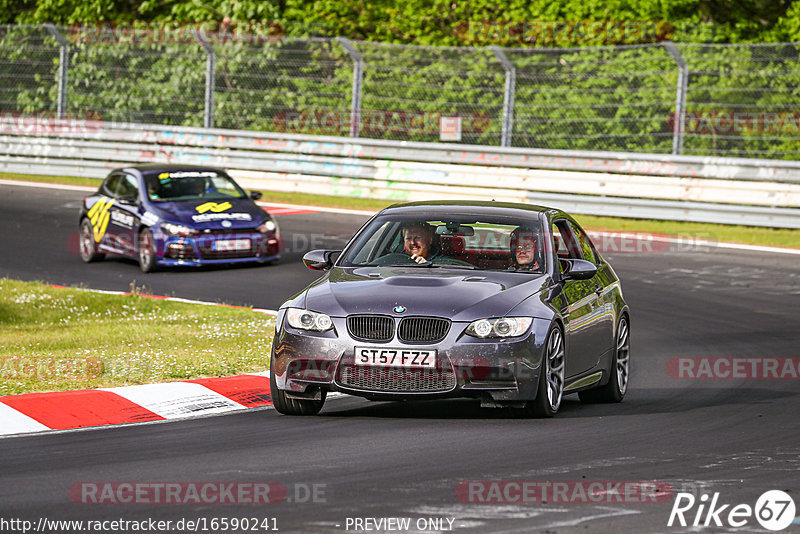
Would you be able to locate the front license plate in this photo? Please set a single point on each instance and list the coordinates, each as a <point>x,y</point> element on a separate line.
<point>396,357</point>
<point>231,245</point>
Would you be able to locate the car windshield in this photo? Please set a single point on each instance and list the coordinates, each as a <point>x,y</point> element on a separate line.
<point>452,241</point>
<point>178,186</point>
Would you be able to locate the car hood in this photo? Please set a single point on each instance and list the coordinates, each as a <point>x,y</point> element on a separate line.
<point>240,213</point>
<point>461,295</point>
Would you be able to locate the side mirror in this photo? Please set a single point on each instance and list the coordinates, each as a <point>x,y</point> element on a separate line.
<point>255,195</point>
<point>319,260</point>
<point>579,270</point>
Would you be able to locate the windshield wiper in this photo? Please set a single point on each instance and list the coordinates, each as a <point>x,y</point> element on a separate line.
<point>412,264</point>
<point>452,266</point>
<point>526,271</point>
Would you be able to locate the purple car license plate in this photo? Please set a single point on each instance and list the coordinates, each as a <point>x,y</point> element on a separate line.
<point>230,245</point>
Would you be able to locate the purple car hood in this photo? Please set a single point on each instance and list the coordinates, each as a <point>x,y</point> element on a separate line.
<point>240,213</point>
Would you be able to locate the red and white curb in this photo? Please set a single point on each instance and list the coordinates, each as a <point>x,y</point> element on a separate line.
<point>67,410</point>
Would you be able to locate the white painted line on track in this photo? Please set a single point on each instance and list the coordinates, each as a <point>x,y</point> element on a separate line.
<point>171,299</point>
<point>174,400</point>
<point>45,185</point>
<point>323,209</point>
<point>15,422</point>
<point>317,208</point>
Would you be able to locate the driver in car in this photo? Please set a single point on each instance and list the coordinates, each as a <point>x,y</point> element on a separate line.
<point>418,241</point>
<point>525,250</point>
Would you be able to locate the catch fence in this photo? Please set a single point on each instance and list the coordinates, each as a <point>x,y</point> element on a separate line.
<point>661,98</point>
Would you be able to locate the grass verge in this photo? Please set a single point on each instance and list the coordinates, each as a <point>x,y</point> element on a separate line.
<point>750,235</point>
<point>58,339</point>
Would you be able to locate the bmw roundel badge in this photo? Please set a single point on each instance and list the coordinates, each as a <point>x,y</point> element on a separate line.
<point>399,309</point>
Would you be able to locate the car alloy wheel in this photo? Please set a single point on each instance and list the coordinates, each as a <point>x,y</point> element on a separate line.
<point>283,404</point>
<point>555,369</point>
<point>623,355</point>
<point>147,251</point>
<point>88,249</point>
<point>551,378</point>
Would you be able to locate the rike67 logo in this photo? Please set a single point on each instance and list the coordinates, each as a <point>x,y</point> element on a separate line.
<point>774,510</point>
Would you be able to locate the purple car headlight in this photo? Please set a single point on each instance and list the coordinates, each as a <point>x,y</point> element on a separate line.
<point>499,327</point>
<point>268,226</point>
<point>177,229</point>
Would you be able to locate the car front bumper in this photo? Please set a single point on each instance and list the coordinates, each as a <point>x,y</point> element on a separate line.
<point>496,370</point>
<point>204,250</point>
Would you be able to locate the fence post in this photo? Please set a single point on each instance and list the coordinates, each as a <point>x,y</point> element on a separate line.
<point>63,66</point>
<point>358,81</point>
<point>211,67</point>
<point>508,95</point>
<point>680,98</point>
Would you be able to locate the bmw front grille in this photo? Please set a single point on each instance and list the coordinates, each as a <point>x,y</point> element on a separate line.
<point>411,329</point>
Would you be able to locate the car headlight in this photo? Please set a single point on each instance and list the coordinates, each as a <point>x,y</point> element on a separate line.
<point>177,229</point>
<point>499,327</point>
<point>308,320</point>
<point>268,226</point>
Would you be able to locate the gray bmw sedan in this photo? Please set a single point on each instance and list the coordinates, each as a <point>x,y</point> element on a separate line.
<point>510,304</point>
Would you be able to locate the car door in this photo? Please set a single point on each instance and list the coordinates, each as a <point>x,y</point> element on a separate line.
<point>604,306</point>
<point>124,213</point>
<point>583,330</point>
<point>99,214</point>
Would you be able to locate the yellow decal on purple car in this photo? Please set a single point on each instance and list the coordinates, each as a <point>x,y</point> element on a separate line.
<point>98,216</point>
<point>213,206</point>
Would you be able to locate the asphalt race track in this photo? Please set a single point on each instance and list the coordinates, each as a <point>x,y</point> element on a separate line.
<point>737,437</point>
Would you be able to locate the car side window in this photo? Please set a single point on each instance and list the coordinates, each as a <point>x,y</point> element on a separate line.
<point>127,187</point>
<point>564,242</point>
<point>567,246</point>
<point>586,245</point>
<point>375,246</point>
<point>109,187</point>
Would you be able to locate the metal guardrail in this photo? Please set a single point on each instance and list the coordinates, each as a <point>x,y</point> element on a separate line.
<point>701,189</point>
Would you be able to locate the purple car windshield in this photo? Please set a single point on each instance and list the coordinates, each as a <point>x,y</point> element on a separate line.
<point>178,186</point>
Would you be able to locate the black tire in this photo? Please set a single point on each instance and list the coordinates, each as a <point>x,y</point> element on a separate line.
<point>550,391</point>
<point>289,406</point>
<point>617,386</point>
<point>147,251</point>
<point>86,243</point>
